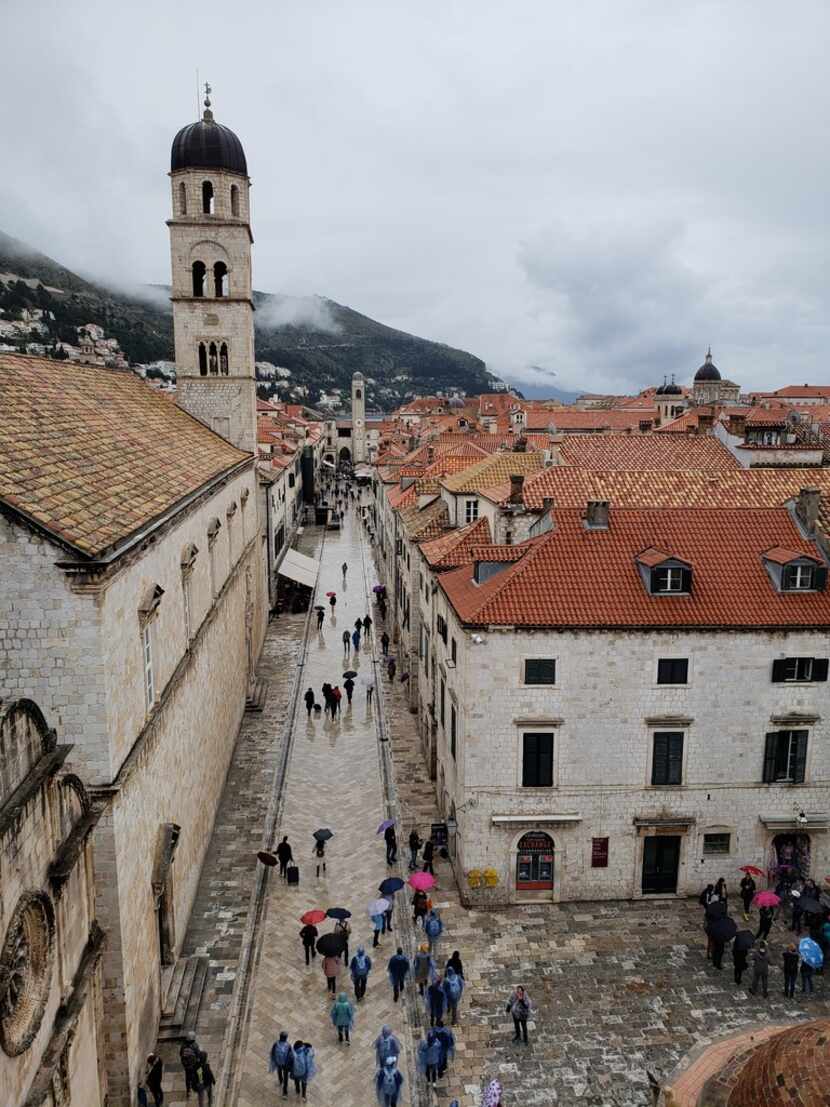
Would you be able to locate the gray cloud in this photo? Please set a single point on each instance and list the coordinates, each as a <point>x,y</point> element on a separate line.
<point>599,189</point>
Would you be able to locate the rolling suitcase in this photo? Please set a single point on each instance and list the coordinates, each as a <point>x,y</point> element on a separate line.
<point>292,874</point>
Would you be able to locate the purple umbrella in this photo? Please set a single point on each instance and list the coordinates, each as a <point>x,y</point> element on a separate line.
<point>385,825</point>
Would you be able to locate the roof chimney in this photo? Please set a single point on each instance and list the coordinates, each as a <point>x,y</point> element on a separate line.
<point>430,454</point>
<point>596,515</point>
<point>737,424</point>
<point>705,422</point>
<point>517,482</point>
<point>807,507</point>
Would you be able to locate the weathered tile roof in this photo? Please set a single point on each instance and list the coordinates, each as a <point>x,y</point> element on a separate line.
<point>452,549</point>
<point>575,577</point>
<point>92,454</point>
<point>425,522</point>
<point>493,470</point>
<point>573,419</point>
<point>645,451</point>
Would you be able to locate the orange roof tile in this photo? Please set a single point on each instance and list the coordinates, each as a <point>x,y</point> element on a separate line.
<point>645,451</point>
<point>782,555</point>
<point>92,454</point>
<point>495,469</point>
<point>452,549</point>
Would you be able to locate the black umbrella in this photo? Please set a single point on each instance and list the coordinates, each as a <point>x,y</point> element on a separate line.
<point>267,858</point>
<point>319,607</point>
<point>716,909</point>
<point>744,939</point>
<point>349,674</point>
<point>810,905</point>
<point>338,913</point>
<point>330,945</point>
<point>392,884</point>
<point>722,930</point>
<point>323,834</point>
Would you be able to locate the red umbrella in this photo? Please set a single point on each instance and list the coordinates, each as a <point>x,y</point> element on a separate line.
<point>421,881</point>
<point>767,899</point>
<point>331,593</point>
<point>311,918</point>
<point>753,870</point>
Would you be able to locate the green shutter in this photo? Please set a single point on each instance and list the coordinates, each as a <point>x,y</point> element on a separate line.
<point>769,756</point>
<point>819,668</point>
<point>660,760</point>
<point>779,669</point>
<point>820,579</point>
<point>800,759</point>
<point>529,761</point>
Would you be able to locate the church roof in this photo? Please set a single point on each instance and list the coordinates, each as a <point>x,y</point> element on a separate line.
<point>207,145</point>
<point>708,370</point>
<point>93,455</point>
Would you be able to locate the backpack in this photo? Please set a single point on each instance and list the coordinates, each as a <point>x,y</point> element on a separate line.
<point>433,927</point>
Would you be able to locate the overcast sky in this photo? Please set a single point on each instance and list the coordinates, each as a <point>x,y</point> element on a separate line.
<point>600,189</point>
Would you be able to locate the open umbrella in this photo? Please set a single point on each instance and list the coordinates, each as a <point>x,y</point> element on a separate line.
<point>319,607</point>
<point>766,899</point>
<point>339,913</point>
<point>385,825</point>
<point>323,834</point>
<point>744,939</point>
<point>349,674</point>
<point>331,593</point>
<point>811,952</point>
<point>810,905</point>
<point>378,588</point>
<point>716,909</point>
<point>753,870</point>
<point>421,881</point>
<point>267,858</point>
<point>722,930</point>
<point>331,944</point>
<point>311,918</point>
<point>391,885</point>
<point>378,906</point>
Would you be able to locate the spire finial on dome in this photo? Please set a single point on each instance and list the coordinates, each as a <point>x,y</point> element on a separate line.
<point>709,354</point>
<point>207,115</point>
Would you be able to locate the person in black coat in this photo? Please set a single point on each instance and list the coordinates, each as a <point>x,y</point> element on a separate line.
<point>309,701</point>
<point>429,850</point>
<point>284,855</point>
<point>309,937</point>
<point>391,845</point>
<point>747,890</point>
<point>767,914</point>
<point>455,964</point>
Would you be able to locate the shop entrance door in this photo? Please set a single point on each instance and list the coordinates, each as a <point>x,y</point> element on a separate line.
<point>534,863</point>
<point>661,861</point>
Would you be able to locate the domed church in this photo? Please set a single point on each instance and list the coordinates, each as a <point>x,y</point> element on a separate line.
<point>709,387</point>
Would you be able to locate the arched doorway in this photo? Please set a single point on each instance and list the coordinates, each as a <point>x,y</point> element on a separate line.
<point>345,454</point>
<point>789,858</point>
<point>534,862</point>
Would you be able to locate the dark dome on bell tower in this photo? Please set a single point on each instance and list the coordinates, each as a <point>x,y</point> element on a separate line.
<point>208,145</point>
<point>708,370</point>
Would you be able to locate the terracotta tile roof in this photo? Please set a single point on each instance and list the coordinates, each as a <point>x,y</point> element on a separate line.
<point>782,555</point>
<point>452,549</point>
<point>769,416</point>
<point>802,391</point>
<point>500,552</point>
<point>399,497</point>
<point>572,576</point>
<point>494,470</point>
<point>645,451</point>
<point>652,557</point>
<point>94,454</point>
<point>683,424</point>
<point>573,419</point>
<point>421,523</point>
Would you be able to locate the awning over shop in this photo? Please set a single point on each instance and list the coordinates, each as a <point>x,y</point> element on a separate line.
<point>299,568</point>
<point>802,821</point>
<point>569,817</point>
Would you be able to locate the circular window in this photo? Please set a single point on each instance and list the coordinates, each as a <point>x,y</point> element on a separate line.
<point>25,972</point>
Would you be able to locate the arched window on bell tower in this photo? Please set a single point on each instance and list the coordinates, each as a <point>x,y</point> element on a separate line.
<point>182,199</point>
<point>213,360</point>
<point>223,359</point>
<point>202,360</point>
<point>220,279</point>
<point>199,278</point>
<point>234,201</point>
<point>207,197</point>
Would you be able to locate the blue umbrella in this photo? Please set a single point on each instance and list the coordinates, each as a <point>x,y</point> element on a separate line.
<point>391,884</point>
<point>811,953</point>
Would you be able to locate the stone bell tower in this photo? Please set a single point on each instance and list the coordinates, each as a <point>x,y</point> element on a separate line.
<point>210,245</point>
<point>359,452</point>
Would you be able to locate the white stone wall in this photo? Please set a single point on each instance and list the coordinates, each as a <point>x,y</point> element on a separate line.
<point>605,693</point>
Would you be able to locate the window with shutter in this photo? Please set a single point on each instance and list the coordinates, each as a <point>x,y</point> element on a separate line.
<point>540,671</point>
<point>671,579</point>
<point>537,760</point>
<point>599,853</point>
<point>785,757</point>
<point>799,669</point>
<point>667,758</point>
<point>673,670</point>
<point>453,726</point>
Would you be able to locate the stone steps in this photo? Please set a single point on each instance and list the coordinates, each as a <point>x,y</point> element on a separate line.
<point>259,694</point>
<point>184,998</point>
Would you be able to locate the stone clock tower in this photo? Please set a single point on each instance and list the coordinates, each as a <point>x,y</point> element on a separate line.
<point>210,245</point>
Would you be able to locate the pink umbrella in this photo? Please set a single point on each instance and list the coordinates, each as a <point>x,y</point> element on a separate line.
<point>767,899</point>
<point>421,881</point>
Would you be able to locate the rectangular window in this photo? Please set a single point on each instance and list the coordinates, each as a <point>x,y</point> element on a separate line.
<point>442,702</point>
<point>147,658</point>
<point>673,670</point>
<point>470,510</point>
<point>537,761</point>
<point>540,671</point>
<point>671,579</point>
<point>599,853</point>
<point>667,761</point>
<point>716,843</point>
<point>785,757</point>
<point>797,578</point>
<point>441,627</point>
<point>453,725</point>
<point>799,668</point>
<point>454,652</point>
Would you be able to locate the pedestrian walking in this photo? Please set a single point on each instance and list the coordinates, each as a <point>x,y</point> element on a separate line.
<point>398,970</point>
<point>423,968</point>
<point>391,845</point>
<point>384,642</point>
<point>388,1081</point>
<point>356,640</point>
<point>453,988</point>
<point>348,684</point>
<point>760,970</point>
<point>386,1046</point>
<point>747,892</point>
<point>358,625</point>
<point>345,568</point>
<point>387,914</point>
<point>342,927</point>
<point>718,947</point>
<point>519,1007</point>
<point>189,1056</point>
<point>153,1074</point>
<point>367,625</point>
<point>415,844</point>
<point>320,616</point>
<point>433,928</point>
<point>419,907</point>
<point>331,970</point>
<point>435,1000</point>
<point>342,1016</point>
<point>279,1061</point>
<point>429,851</point>
<point>378,924</point>
<point>720,890</point>
<point>327,697</point>
<point>790,958</point>
<point>447,1039</point>
<point>706,896</point>
<point>303,1066</point>
<point>332,604</point>
<point>766,915</point>
<point>455,964</point>
<point>309,937</point>
<point>309,701</point>
<point>319,852</point>
<point>206,1077</point>
<point>797,916</point>
<point>360,967</point>
<point>284,855</point>
<point>370,691</point>
<point>391,669</point>
<point>806,978</point>
<point>337,696</point>
<point>347,643</point>
<point>739,959</point>
<point>429,1057</point>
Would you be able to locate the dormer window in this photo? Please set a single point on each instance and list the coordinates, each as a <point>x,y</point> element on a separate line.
<point>663,574</point>
<point>792,571</point>
<point>798,578</point>
<point>668,579</point>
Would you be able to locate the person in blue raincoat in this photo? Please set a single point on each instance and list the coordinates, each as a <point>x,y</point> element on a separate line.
<point>429,1056</point>
<point>398,969</point>
<point>453,987</point>
<point>433,928</point>
<point>447,1039</point>
<point>342,1017</point>
<point>386,1045</point>
<point>303,1067</point>
<point>280,1061</point>
<point>377,923</point>
<point>360,966</point>
<point>388,1081</point>
<point>435,1001</point>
